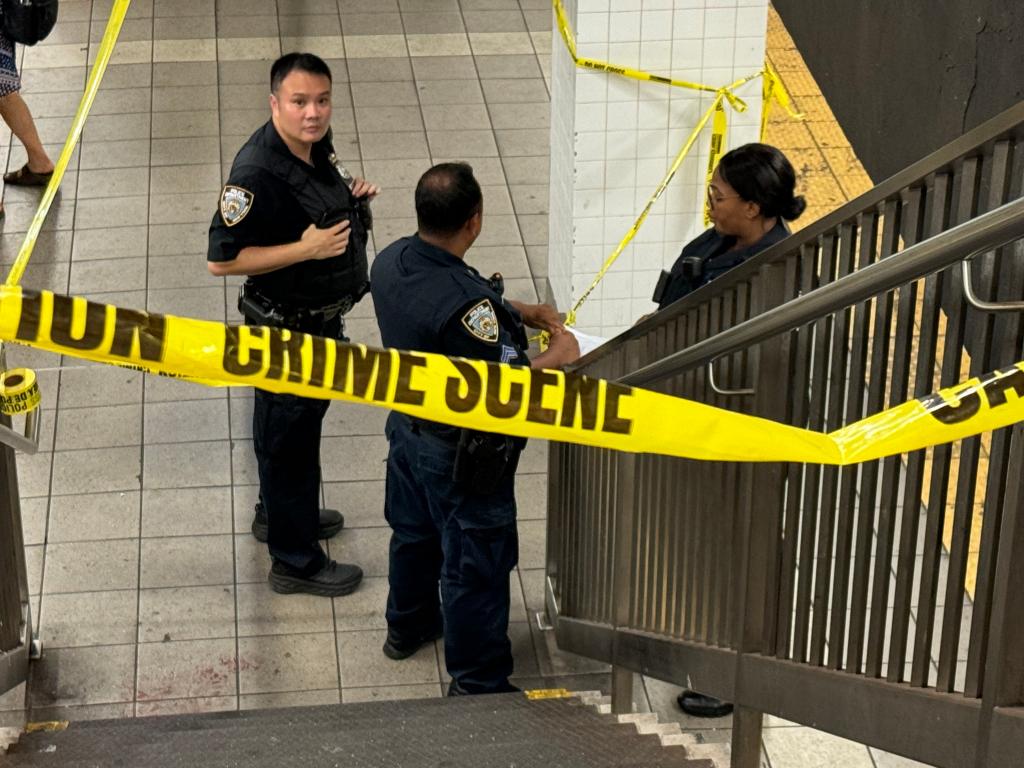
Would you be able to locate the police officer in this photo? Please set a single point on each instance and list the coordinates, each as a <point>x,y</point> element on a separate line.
<point>450,493</point>
<point>297,228</point>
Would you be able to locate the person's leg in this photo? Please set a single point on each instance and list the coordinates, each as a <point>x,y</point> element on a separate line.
<point>286,437</point>
<point>414,558</point>
<point>481,547</point>
<point>16,114</point>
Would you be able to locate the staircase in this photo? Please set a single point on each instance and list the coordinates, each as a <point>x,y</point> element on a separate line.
<point>503,731</point>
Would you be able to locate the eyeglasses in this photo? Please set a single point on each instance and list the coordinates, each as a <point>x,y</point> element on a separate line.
<point>714,198</point>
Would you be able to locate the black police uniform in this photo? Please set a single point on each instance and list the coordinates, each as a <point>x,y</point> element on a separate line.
<point>271,198</point>
<point>705,258</point>
<point>429,300</point>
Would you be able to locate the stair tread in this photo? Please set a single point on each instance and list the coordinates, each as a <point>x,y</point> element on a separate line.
<point>480,731</point>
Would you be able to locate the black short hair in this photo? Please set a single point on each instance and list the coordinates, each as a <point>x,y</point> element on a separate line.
<point>447,196</point>
<point>304,62</point>
<point>761,174</point>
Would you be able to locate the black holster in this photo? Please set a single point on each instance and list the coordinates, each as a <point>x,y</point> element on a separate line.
<point>484,459</point>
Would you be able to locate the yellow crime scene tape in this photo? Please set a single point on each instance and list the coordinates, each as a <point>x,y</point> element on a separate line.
<point>19,391</point>
<point>514,400</point>
<point>106,49</point>
<point>772,89</point>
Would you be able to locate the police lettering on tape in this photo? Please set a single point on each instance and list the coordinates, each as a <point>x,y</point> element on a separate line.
<point>514,400</point>
<point>19,391</point>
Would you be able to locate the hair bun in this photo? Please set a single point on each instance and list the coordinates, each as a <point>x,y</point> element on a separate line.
<point>795,207</point>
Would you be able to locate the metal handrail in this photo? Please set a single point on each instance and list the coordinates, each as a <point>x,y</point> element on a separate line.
<point>965,241</point>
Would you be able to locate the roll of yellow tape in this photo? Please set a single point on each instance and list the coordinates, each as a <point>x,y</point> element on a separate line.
<point>19,391</point>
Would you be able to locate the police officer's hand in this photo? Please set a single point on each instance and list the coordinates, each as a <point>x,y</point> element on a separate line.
<point>563,348</point>
<point>327,242</point>
<point>363,188</point>
<point>543,317</point>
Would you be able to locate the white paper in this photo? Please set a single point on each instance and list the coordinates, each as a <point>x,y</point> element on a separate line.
<point>587,342</point>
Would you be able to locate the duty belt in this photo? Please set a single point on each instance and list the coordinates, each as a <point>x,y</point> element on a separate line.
<point>265,311</point>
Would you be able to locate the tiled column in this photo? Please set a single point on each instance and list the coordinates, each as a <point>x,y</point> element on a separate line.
<point>613,139</point>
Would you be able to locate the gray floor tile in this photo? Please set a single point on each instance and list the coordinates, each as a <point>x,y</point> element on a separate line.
<point>468,143</point>
<point>309,25</point>
<point>380,70</point>
<point>121,101</point>
<point>444,67</point>
<point>189,465</point>
<point>126,76</point>
<point>814,749</point>
<point>364,608</point>
<point>186,124</point>
<point>494,21</point>
<point>393,146</point>
<point>204,303</point>
<point>241,122</point>
<point>372,24</point>
<point>248,96</point>
<point>520,115</point>
<point>362,502</point>
<point>344,418</point>
<point>261,611</point>
<point>243,72</point>
<point>184,28</point>
<point>392,692</point>
<point>171,151</point>
<point>91,566</point>
<point>436,92</point>
<point>115,154</point>
<point>366,547</point>
<point>186,706</point>
<point>387,94</point>
<point>184,72</point>
<point>86,471</point>
<point>72,79</point>
<point>114,127</point>
<point>283,663</point>
<point>170,240</point>
<point>104,275</point>
<point>252,560</point>
<point>395,173</point>
<point>109,243</point>
<point>178,271</point>
<point>178,422</point>
<point>518,142</point>
<point>88,618</point>
<point>245,25</point>
<point>80,676</point>
<point>161,389</point>
<point>507,66</point>
<point>353,458</point>
<point>103,427</point>
<point>289,699</point>
<point>186,613</point>
<point>179,669</point>
<point>113,211</point>
<point>186,511</point>
<point>34,512</point>
<point>363,664</point>
<point>389,119</point>
<point>186,561</point>
<point>94,385</point>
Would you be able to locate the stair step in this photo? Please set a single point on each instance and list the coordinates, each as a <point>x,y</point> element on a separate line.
<point>471,732</point>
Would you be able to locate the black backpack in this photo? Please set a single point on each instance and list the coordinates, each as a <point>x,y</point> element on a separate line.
<point>27,21</point>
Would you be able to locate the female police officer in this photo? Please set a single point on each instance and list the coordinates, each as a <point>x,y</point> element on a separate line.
<point>289,222</point>
<point>450,493</point>
<point>750,199</point>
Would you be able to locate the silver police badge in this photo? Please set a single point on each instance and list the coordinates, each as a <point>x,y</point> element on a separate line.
<point>482,322</point>
<point>235,203</point>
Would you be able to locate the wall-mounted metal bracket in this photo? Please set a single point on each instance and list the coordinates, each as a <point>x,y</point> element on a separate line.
<point>981,304</point>
<point>718,390</point>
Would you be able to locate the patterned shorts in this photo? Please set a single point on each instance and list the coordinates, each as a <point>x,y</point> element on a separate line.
<point>10,80</point>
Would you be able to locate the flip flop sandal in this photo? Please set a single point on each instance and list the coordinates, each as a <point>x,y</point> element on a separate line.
<point>26,177</point>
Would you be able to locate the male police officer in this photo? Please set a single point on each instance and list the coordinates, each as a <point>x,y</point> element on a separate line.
<point>450,493</point>
<point>289,222</point>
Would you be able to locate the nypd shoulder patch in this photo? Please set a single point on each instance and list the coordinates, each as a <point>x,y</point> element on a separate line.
<point>482,322</point>
<point>235,203</point>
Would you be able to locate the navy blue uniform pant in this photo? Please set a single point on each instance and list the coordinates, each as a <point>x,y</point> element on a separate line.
<point>464,544</point>
<point>286,437</point>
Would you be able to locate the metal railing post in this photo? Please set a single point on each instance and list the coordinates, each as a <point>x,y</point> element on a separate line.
<point>623,565</point>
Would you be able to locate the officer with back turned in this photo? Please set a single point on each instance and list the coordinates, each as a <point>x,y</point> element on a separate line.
<point>295,223</point>
<point>450,493</point>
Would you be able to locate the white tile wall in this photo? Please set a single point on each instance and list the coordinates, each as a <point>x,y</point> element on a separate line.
<point>612,140</point>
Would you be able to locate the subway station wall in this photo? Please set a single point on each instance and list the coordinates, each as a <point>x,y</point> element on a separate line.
<point>905,78</point>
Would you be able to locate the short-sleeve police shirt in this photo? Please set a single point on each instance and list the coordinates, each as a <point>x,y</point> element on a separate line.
<point>271,197</point>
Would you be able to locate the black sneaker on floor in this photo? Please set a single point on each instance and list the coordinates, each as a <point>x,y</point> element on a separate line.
<point>331,521</point>
<point>698,705</point>
<point>333,580</point>
<point>397,647</point>
<point>454,689</point>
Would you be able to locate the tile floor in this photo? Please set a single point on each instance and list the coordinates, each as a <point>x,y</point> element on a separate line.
<point>148,589</point>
